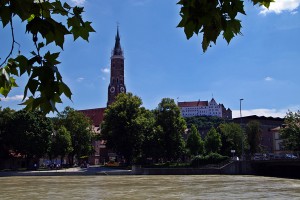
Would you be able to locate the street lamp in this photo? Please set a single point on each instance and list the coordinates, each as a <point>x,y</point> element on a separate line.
<point>241,128</point>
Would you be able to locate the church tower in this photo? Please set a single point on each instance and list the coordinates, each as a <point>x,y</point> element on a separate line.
<point>116,85</point>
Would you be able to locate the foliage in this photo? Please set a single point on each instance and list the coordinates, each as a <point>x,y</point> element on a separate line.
<point>6,115</point>
<point>212,141</point>
<point>173,125</point>
<point>61,144</point>
<point>213,17</point>
<point>81,132</point>
<point>232,138</point>
<point>124,126</point>
<point>41,18</point>
<point>152,146</point>
<point>290,133</point>
<point>29,133</point>
<point>253,132</point>
<point>211,158</point>
<point>194,142</point>
<point>204,122</point>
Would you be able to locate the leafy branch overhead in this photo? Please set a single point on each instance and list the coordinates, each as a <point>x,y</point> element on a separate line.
<point>41,17</point>
<point>213,17</point>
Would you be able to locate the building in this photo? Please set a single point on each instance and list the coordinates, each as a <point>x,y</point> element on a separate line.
<point>204,108</point>
<point>278,147</point>
<point>267,125</point>
<point>115,87</point>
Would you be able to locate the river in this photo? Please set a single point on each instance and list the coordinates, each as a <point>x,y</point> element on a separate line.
<point>148,187</point>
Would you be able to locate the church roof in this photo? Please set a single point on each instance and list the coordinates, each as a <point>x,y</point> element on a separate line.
<point>193,103</point>
<point>96,115</point>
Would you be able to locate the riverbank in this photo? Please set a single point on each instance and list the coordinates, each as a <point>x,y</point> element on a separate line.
<point>75,171</point>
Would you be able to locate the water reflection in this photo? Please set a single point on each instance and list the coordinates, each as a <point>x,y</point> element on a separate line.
<point>148,187</point>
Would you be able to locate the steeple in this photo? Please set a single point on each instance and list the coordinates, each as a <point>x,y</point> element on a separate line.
<point>117,50</point>
<point>117,83</point>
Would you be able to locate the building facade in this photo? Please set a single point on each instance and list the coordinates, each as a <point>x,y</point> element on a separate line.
<point>204,108</point>
<point>267,124</point>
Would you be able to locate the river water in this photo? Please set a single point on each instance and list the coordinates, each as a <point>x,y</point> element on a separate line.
<point>148,187</point>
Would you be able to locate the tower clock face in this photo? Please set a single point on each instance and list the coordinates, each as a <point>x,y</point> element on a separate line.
<point>112,89</point>
<point>122,89</point>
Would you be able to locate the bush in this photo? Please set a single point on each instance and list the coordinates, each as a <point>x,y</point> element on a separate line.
<point>212,158</point>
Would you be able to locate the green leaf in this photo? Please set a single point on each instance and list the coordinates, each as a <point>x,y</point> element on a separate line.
<point>5,15</point>
<point>67,6</point>
<point>63,88</point>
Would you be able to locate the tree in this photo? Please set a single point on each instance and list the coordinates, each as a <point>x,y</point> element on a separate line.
<point>173,125</point>
<point>253,133</point>
<point>124,126</point>
<point>232,138</point>
<point>42,22</point>
<point>204,122</point>
<point>6,115</point>
<point>29,133</point>
<point>290,133</point>
<point>80,128</point>
<point>61,143</point>
<point>194,142</point>
<point>212,141</point>
<point>152,145</point>
<point>213,18</point>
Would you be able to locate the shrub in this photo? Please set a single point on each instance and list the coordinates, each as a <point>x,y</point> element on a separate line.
<point>211,158</point>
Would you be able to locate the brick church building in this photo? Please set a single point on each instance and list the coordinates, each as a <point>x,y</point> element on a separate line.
<point>115,87</point>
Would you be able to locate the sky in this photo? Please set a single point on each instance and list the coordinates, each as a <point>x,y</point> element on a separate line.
<point>260,66</point>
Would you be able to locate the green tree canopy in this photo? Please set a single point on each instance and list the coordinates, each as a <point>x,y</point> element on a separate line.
<point>212,141</point>
<point>46,22</point>
<point>80,128</point>
<point>29,133</point>
<point>290,133</point>
<point>232,138</point>
<point>6,115</point>
<point>253,132</point>
<point>194,143</point>
<point>124,126</point>
<point>213,17</point>
<point>152,146</point>
<point>61,144</point>
<point>173,125</point>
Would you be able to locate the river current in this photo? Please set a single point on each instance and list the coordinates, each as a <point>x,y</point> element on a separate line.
<point>148,187</point>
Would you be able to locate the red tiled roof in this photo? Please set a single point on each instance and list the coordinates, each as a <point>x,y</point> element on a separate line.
<point>193,103</point>
<point>96,115</point>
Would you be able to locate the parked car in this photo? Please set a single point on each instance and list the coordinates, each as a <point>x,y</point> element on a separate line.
<point>112,164</point>
<point>290,156</point>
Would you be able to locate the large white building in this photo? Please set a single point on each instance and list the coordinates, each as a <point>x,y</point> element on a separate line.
<point>204,108</point>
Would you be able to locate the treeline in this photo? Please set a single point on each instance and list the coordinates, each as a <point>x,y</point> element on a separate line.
<point>164,135</point>
<point>31,135</point>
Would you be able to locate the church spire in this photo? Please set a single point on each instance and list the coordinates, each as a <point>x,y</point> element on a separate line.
<point>117,50</point>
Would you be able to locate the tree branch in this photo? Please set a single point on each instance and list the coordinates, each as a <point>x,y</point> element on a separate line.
<point>12,44</point>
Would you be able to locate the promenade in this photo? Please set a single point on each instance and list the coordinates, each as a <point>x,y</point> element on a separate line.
<point>74,171</point>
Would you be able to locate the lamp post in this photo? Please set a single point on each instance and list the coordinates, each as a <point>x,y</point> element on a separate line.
<point>242,128</point>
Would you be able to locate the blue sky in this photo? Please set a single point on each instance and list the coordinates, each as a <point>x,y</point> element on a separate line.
<point>261,66</point>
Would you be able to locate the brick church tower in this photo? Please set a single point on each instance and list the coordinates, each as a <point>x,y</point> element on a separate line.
<point>116,85</point>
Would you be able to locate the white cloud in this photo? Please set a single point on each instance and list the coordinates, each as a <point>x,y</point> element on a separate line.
<point>105,70</point>
<point>80,79</point>
<point>13,98</point>
<point>281,5</point>
<point>268,78</point>
<point>265,112</point>
<point>78,2</point>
